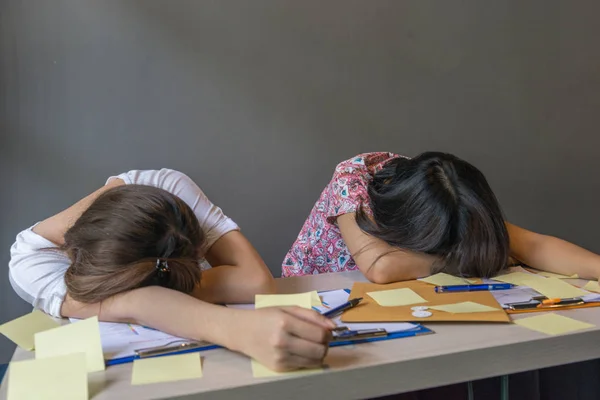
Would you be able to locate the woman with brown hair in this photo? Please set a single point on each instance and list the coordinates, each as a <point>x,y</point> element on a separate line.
<point>150,248</point>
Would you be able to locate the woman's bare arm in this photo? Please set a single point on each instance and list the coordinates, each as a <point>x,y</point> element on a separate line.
<point>552,254</point>
<point>55,227</point>
<point>378,261</point>
<point>240,272</point>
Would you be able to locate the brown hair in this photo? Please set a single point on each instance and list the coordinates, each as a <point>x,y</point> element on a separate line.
<point>123,240</point>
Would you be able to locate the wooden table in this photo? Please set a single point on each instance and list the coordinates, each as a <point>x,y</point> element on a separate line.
<point>456,353</point>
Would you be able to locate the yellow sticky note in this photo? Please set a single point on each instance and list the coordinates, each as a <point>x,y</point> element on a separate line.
<point>79,337</point>
<point>396,297</point>
<point>443,279</point>
<point>554,288</point>
<point>54,378</point>
<point>464,307</point>
<point>260,371</point>
<point>303,300</point>
<point>552,324</point>
<point>518,278</point>
<point>22,329</point>
<point>315,299</point>
<point>559,276</point>
<point>166,369</point>
<point>592,286</point>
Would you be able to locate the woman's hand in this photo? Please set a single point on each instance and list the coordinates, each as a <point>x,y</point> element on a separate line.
<point>285,338</point>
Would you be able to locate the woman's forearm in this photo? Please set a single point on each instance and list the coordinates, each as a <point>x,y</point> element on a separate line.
<point>164,309</point>
<point>55,227</point>
<point>548,253</point>
<point>556,255</point>
<point>232,284</point>
<point>400,266</point>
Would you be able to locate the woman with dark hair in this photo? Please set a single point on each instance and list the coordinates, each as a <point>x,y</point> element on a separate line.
<point>150,248</point>
<point>395,218</point>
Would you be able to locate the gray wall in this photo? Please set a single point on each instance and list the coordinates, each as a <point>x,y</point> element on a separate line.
<point>258,100</point>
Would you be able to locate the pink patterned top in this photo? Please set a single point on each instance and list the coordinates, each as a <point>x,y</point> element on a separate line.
<point>319,247</point>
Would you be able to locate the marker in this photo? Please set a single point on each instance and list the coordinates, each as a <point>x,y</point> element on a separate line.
<point>474,288</point>
<point>340,309</point>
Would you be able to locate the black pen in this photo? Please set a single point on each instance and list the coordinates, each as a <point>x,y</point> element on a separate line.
<point>340,309</point>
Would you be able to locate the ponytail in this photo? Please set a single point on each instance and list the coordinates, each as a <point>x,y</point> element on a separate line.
<point>133,236</point>
<point>184,275</point>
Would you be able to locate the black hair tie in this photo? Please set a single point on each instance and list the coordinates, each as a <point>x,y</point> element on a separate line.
<point>162,269</point>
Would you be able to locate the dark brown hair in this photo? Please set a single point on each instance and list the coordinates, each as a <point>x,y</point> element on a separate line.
<point>441,205</point>
<point>115,245</point>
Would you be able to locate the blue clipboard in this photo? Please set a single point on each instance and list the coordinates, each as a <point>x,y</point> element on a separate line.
<point>417,331</point>
<point>125,360</point>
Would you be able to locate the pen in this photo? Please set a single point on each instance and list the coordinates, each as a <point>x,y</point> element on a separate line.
<point>340,309</point>
<point>474,288</point>
<point>560,302</point>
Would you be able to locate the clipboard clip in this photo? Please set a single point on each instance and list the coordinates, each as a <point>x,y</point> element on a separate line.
<point>342,333</point>
<point>169,348</point>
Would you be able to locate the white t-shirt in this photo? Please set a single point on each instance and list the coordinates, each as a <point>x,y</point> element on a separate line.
<point>38,275</point>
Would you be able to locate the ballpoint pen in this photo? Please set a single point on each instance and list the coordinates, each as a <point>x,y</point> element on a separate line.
<point>474,288</point>
<point>340,309</point>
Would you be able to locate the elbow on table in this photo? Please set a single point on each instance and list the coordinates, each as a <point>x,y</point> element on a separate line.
<point>262,284</point>
<point>390,272</point>
<point>379,276</point>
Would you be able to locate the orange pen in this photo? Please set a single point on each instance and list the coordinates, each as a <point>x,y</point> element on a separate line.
<point>559,302</point>
<point>549,302</point>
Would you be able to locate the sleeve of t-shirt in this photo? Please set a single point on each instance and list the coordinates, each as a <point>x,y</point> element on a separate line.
<point>347,190</point>
<point>36,273</point>
<point>213,222</point>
